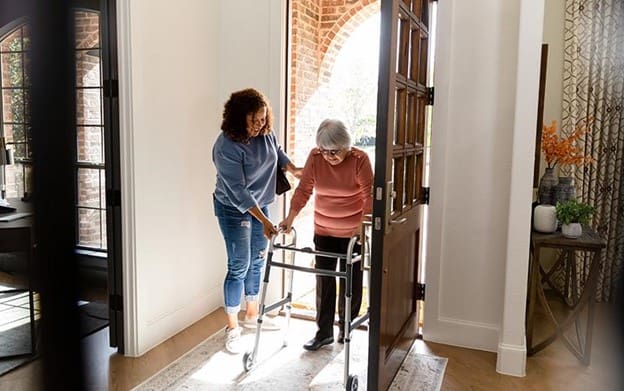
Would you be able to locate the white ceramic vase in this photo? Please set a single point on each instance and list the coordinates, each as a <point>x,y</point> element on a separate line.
<point>545,218</point>
<point>572,230</point>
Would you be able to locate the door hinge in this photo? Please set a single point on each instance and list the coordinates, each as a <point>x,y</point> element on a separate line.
<point>425,195</point>
<point>115,302</point>
<point>420,291</point>
<point>430,96</point>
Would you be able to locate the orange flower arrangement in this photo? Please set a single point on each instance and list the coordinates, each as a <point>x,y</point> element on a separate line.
<point>563,150</point>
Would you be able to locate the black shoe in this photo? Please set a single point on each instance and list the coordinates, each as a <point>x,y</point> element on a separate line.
<point>316,344</point>
<point>340,336</point>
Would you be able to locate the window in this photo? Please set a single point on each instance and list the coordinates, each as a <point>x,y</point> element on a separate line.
<point>15,119</point>
<point>90,161</point>
<point>15,123</point>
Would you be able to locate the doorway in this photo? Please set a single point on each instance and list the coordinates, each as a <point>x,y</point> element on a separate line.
<point>328,78</point>
<point>95,151</point>
<point>315,83</point>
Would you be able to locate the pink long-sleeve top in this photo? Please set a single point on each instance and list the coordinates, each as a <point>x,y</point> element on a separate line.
<point>342,193</point>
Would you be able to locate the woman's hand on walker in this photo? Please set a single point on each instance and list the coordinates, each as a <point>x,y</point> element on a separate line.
<point>286,225</point>
<point>270,230</point>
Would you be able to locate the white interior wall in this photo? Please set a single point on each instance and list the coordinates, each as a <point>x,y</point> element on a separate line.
<point>171,67</point>
<point>472,143</point>
<point>554,20</point>
<point>175,75</point>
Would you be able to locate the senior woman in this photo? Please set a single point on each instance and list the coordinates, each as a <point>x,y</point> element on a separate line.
<point>246,155</point>
<point>342,179</point>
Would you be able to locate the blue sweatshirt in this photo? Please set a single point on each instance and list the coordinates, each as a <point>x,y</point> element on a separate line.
<point>246,172</point>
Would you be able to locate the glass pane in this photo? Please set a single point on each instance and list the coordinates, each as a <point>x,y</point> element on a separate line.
<point>103,229</point>
<point>87,29</point>
<point>417,7</point>
<point>410,179</point>
<point>28,183</point>
<point>14,133</point>
<point>89,187</point>
<point>13,105</point>
<point>414,53</point>
<point>27,106</point>
<point>103,190</point>
<point>89,143</point>
<point>400,116</point>
<point>412,115</point>
<point>12,68</point>
<point>12,42</point>
<point>403,45</point>
<point>26,37</point>
<point>88,68</point>
<point>88,103</point>
<point>424,48</point>
<point>14,175</point>
<point>89,227</point>
<point>27,69</point>
<point>20,151</point>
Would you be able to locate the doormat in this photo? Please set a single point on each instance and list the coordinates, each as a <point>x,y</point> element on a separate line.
<point>210,367</point>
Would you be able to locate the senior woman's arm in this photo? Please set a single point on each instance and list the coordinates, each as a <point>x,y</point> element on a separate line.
<point>365,179</point>
<point>302,193</point>
<point>296,171</point>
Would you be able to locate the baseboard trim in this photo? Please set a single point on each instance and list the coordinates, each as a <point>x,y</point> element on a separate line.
<point>462,333</point>
<point>511,360</point>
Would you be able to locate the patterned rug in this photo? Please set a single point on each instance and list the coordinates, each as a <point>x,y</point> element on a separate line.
<point>210,367</point>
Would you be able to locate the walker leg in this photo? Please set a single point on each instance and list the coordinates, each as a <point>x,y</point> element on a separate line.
<point>347,324</point>
<point>249,359</point>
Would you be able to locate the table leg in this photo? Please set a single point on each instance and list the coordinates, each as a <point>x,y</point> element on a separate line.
<point>534,270</point>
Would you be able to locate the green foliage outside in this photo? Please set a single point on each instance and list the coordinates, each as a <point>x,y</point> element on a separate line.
<point>18,78</point>
<point>574,212</point>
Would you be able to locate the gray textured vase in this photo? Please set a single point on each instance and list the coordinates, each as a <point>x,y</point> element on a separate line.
<point>564,190</point>
<point>547,186</point>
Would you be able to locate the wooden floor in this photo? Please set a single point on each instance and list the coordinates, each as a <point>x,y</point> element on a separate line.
<point>552,369</point>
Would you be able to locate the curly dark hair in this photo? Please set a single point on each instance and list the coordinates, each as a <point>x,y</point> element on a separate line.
<point>235,111</point>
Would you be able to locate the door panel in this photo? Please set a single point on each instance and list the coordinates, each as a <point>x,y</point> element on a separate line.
<point>398,193</point>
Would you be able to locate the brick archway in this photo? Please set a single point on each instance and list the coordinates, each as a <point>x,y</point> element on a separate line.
<point>319,29</point>
<point>335,37</point>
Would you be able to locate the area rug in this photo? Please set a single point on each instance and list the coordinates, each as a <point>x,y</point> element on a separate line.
<point>210,367</point>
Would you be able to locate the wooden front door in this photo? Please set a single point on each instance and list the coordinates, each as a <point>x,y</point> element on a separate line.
<point>398,195</point>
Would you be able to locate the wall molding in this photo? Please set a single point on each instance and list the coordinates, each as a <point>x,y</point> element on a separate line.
<point>126,131</point>
<point>513,334</point>
<point>463,333</point>
<point>511,360</point>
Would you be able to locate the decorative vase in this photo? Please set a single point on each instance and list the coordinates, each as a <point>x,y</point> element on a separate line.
<point>547,186</point>
<point>545,218</point>
<point>572,230</point>
<point>564,190</point>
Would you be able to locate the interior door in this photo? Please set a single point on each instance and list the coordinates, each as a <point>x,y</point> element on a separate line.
<point>398,194</point>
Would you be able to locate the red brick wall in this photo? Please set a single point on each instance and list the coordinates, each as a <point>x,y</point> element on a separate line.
<point>88,112</point>
<point>318,30</point>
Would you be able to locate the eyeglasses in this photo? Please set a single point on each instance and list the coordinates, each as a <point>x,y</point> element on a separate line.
<point>330,152</point>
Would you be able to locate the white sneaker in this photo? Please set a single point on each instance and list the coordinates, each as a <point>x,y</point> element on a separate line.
<point>233,342</point>
<point>267,323</point>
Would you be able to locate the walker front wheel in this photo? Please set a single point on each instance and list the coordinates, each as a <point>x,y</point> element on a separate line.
<point>352,383</point>
<point>248,361</point>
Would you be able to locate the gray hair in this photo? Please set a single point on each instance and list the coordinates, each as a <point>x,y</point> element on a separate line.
<point>332,134</point>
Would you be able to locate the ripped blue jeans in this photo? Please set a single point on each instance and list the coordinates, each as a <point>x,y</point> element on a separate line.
<point>246,247</point>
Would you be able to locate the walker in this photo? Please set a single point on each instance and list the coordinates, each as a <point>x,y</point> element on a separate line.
<point>249,358</point>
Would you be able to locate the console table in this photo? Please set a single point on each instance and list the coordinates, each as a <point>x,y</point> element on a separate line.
<point>578,292</point>
<point>16,236</point>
